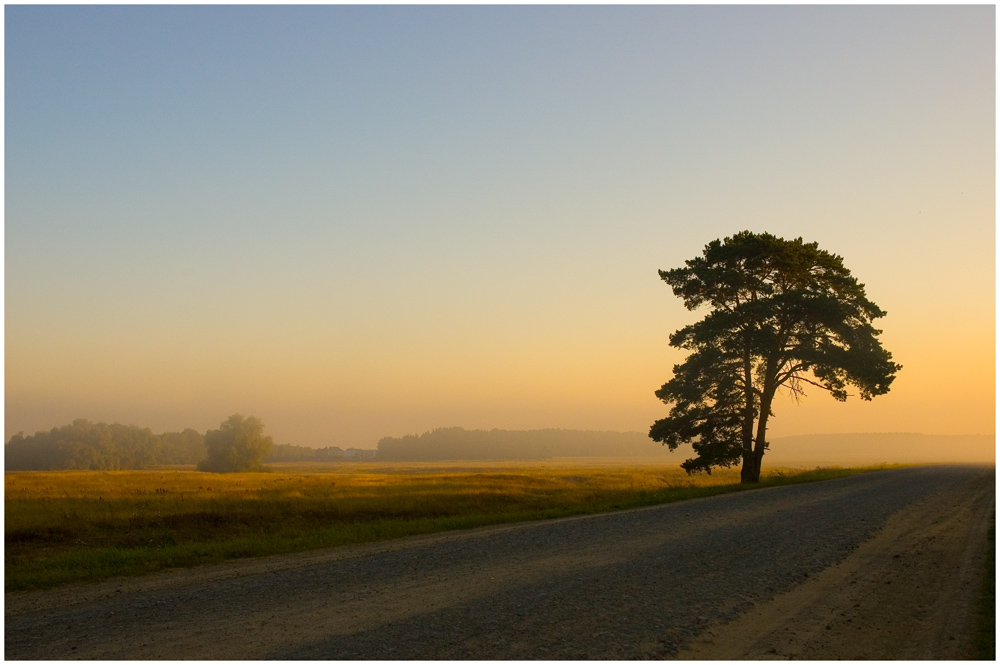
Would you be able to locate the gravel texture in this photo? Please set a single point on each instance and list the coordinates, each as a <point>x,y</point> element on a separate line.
<point>636,584</point>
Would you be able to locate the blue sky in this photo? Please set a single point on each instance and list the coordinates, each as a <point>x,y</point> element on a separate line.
<point>366,221</point>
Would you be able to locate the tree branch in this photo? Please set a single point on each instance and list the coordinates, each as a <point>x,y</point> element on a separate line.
<point>813,383</point>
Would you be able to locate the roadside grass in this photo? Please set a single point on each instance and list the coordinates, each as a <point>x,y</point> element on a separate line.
<point>83,526</point>
<point>986,630</point>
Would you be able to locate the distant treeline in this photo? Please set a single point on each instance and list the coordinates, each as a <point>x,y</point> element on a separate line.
<point>84,445</point>
<point>87,445</point>
<point>456,443</point>
<point>100,446</point>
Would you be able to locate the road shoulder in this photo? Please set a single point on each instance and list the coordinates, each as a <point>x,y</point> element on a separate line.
<point>907,593</point>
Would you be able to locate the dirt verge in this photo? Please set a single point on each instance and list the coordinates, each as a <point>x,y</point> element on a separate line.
<point>908,593</point>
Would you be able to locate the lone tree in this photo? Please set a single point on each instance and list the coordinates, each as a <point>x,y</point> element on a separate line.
<point>783,314</point>
<point>238,445</point>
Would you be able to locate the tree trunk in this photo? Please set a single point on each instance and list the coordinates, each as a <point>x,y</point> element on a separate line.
<point>750,471</point>
<point>753,474</point>
<point>746,474</point>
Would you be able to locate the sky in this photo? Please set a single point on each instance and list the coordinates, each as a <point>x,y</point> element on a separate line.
<point>365,221</point>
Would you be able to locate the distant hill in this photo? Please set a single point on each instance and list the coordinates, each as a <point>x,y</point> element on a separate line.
<point>875,448</point>
<point>456,443</point>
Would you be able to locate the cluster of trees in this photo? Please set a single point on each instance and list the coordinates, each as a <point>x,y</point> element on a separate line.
<point>238,445</point>
<point>456,443</point>
<point>86,445</point>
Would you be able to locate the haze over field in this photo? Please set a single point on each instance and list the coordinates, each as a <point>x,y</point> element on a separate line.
<point>361,222</point>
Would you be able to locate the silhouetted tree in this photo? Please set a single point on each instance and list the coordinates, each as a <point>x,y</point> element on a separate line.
<point>783,314</point>
<point>238,445</point>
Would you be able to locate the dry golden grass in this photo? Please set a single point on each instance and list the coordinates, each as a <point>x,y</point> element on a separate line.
<point>336,480</point>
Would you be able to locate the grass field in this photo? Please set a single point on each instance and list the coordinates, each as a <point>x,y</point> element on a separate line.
<point>81,526</point>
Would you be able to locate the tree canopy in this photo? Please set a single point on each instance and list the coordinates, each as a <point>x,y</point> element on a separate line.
<point>783,314</point>
<point>238,445</point>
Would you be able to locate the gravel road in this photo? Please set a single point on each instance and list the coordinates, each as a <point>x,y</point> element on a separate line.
<point>720,577</point>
